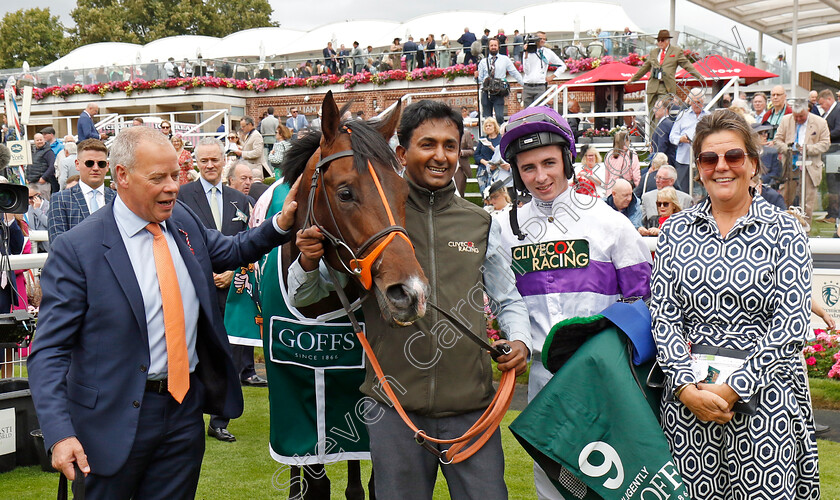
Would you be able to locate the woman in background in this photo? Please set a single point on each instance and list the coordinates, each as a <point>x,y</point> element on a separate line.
<point>185,161</point>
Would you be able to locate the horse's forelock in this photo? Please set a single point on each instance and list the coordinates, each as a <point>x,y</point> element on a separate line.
<point>365,140</point>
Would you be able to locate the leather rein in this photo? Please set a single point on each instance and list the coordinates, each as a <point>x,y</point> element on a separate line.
<point>486,425</point>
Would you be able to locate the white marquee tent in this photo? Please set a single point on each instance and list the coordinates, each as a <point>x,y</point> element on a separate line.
<point>551,17</point>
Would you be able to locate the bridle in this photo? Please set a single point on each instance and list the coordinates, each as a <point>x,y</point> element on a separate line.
<point>480,432</point>
<point>360,268</point>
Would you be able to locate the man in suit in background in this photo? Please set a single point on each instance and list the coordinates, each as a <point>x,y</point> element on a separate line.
<point>252,149</point>
<point>663,123</point>
<point>831,114</point>
<point>662,64</point>
<point>69,207</point>
<point>131,347</point>
<point>296,122</point>
<point>466,40</point>
<point>795,130</point>
<point>227,210</point>
<point>85,128</point>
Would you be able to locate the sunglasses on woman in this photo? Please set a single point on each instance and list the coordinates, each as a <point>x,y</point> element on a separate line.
<point>708,160</point>
<point>663,204</point>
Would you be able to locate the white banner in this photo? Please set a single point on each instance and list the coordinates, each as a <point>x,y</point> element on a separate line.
<point>7,431</point>
<point>825,293</point>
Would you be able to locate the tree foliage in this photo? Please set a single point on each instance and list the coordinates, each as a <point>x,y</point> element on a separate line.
<point>31,35</point>
<point>142,21</point>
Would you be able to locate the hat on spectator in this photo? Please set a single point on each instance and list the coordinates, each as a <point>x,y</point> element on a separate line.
<point>663,35</point>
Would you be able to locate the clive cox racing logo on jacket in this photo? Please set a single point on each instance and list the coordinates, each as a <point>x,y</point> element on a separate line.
<point>464,246</point>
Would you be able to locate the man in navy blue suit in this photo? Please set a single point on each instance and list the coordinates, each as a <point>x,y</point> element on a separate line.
<point>467,40</point>
<point>85,129</point>
<point>230,216</point>
<point>69,207</point>
<point>99,366</point>
<point>663,124</point>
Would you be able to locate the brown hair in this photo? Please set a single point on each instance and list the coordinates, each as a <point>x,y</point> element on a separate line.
<point>91,145</point>
<point>284,132</point>
<point>726,119</point>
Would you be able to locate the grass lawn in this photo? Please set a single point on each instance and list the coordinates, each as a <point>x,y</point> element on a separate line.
<point>244,469</point>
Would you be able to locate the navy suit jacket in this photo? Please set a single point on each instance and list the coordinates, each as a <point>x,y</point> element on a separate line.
<point>833,120</point>
<point>660,141</point>
<point>68,208</point>
<point>87,369</point>
<point>85,128</point>
<point>192,194</point>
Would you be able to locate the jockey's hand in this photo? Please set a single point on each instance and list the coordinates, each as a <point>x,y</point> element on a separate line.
<point>310,243</point>
<point>286,217</point>
<point>516,359</point>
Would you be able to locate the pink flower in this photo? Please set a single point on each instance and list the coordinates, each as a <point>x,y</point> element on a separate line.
<point>811,361</point>
<point>808,350</point>
<point>818,348</point>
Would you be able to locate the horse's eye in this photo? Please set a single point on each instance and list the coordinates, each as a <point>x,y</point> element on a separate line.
<point>345,195</point>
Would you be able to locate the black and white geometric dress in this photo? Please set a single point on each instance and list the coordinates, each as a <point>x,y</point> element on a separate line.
<point>749,291</point>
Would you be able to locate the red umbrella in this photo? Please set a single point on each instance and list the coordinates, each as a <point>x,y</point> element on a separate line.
<point>724,68</point>
<point>612,72</point>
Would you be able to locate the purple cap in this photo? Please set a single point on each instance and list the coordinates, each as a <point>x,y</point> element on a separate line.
<point>536,127</point>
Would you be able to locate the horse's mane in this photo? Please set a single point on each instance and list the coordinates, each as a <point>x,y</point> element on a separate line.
<point>366,141</point>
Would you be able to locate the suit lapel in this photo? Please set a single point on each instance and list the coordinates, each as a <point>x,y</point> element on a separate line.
<point>228,211</point>
<point>79,198</point>
<point>199,199</point>
<point>118,259</point>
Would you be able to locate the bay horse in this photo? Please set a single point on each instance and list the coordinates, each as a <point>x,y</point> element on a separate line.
<point>351,189</point>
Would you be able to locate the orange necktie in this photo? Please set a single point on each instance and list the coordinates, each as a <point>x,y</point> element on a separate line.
<point>661,57</point>
<point>173,316</point>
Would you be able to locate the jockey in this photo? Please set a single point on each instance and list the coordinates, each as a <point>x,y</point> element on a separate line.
<point>572,255</point>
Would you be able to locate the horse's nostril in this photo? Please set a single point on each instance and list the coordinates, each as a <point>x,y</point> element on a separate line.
<point>398,295</point>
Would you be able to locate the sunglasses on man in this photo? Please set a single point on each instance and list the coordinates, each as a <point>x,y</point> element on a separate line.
<point>101,164</point>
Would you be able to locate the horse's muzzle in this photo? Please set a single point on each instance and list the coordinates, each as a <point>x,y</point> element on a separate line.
<point>404,303</point>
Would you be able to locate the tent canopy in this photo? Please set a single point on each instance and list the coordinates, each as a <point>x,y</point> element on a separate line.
<point>818,19</point>
<point>612,72</point>
<point>725,68</point>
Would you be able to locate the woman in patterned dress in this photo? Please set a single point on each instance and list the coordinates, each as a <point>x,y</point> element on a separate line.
<point>184,159</point>
<point>735,272</point>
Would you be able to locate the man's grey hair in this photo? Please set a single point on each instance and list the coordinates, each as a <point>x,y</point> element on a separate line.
<point>232,169</point>
<point>800,105</point>
<point>668,169</point>
<point>246,119</point>
<point>696,95</point>
<point>125,145</point>
<point>658,160</point>
<point>211,141</point>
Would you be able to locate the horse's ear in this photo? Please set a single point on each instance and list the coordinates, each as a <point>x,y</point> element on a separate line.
<point>330,118</point>
<point>388,124</point>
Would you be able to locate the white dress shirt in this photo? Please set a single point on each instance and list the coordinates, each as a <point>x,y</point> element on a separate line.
<point>684,125</point>
<point>90,192</point>
<point>501,69</point>
<point>207,187</point>
<point>138,244</point>
<point>535,66</point>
